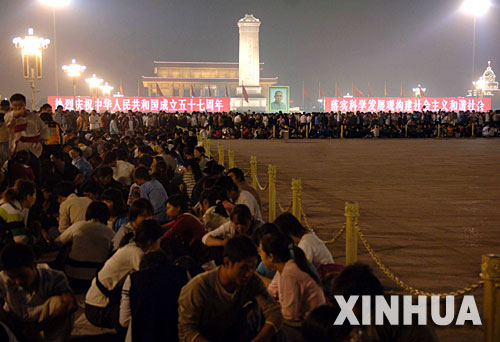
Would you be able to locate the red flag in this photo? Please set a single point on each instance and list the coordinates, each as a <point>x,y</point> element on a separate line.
<point>306,94</point>
<point>158,91</point>
<point>192,91</point>
<point>370,92</point>
<point>139,89</point>
<point>321,93</point>
<point>227,92</point>
<point>356,92</point>
<point>337,90</point>
<point>121,88</point>
<point>245,95</point>
<point>402,91</point>
<point>386,93</point>
<point>209,92</point>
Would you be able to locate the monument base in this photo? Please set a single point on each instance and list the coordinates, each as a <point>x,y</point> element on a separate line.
<point>254,104</point>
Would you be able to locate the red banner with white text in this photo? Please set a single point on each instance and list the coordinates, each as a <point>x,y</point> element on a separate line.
<point>406,104</point>
<point>143,104</point>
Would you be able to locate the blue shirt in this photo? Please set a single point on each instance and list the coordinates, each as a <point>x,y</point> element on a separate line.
<point>155,192</point>
<point>83,166</point>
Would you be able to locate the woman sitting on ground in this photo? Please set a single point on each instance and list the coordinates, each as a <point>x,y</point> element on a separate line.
<point>102,301</point>
<point>214,213</point>
<point>14,210</point>
<point>295,285</point>
<point>184,232</point>
<point>140,210</point>
<point>241,222</point>
<point>90,245</point>
<point>314,249</point>
<point>117,207</point>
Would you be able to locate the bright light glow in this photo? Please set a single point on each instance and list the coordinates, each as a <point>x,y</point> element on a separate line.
<point>30,44</point>
<point>106,89</point>
<point>74,70</point>
<point>55,3</point>
<point>93,81</point>
<point>476,8</point>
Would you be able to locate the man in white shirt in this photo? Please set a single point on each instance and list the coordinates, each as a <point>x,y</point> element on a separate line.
<point>238,196</point>
<point>94,121</point>
<point>72,207</point>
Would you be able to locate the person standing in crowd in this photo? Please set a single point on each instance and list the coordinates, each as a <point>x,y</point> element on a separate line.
<point>94,122</point>
<point>55,140</point>
<point>27,132</point>
<point>113,126</point>
<point>4,132</point>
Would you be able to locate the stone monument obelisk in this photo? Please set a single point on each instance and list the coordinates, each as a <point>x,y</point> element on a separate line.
<point>249,65</point>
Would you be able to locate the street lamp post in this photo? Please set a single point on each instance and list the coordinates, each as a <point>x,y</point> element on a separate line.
<point>106,89</point>
<point>74,71</point>
<point>55,4</point>
<point>476,8</point>
<point>32,47</point>
<point>94,84</point>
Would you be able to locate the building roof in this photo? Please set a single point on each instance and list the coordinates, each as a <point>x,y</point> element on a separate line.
<point>228,65</point>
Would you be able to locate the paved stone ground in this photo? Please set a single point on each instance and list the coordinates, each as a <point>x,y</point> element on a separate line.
<point>428,207</point>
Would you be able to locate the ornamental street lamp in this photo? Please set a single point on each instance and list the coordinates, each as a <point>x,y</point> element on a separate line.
<point>476,8</point>
<point>106,89</point>
<point>32,47</point>
<point>55,4</point>
<point>74,71</point>
<point>94,84</point>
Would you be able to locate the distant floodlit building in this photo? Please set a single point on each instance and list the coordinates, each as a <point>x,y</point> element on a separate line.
<point>486,85</point>
<point>204,78</point>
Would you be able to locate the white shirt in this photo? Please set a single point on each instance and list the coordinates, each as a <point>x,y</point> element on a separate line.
<point>95,121</point>
<point>225,230</point>
<point>122,172</point>
<point>247,199</point>
<point>315,250</point>
<point>125,260</point>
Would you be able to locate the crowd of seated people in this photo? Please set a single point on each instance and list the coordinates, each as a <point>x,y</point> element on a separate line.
<point>160,241</point>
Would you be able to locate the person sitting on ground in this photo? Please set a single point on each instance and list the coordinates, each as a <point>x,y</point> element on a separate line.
<point>150,297</point>
<point>14,210</point>
<point>104,176</point>
<point>122,172</point>
<point>199,153</point>
<point>92,190</point>
<point>238,196</point>
<point>314,249</point>
<point>192,174</point>
<point>238,178</point>
<point>80,162</point>
<point>296,286</point>
<point>64,169</point>
<point>102,302</point>
<point>140,210</point>
<point>35,298</point>
<point>214,306</point>
<point>214,213</point>
<point>184,232</point>
<point>241,222</point>
<point>153,191</point>
<point>72,208</point>
<point>118,210</point>
<point>90,245</point>
<point>18,168</point>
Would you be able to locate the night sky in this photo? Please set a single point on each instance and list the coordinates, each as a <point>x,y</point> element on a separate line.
<point>377,41</point>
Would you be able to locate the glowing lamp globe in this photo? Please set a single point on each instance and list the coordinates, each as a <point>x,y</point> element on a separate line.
<point>476,8</point>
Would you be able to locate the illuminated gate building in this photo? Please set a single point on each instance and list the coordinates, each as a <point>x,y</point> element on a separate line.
<point>204,78</point>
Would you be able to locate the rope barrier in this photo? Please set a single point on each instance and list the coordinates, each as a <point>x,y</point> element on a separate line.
<point>262,188</point>
<point>310,228</point>
<point>407,287</point>
<point>282,209</point>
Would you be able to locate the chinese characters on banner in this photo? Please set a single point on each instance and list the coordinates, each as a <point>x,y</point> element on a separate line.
<point>406,104</point>
<point>143,104</point>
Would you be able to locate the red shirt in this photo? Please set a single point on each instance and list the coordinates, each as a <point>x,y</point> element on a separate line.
<point>186,226</point>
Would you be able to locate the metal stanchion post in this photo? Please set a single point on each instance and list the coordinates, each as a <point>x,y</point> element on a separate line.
<point>351,235</point>
<point>272,192</point>
<point>490,273</point>
<point>253,171</point>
